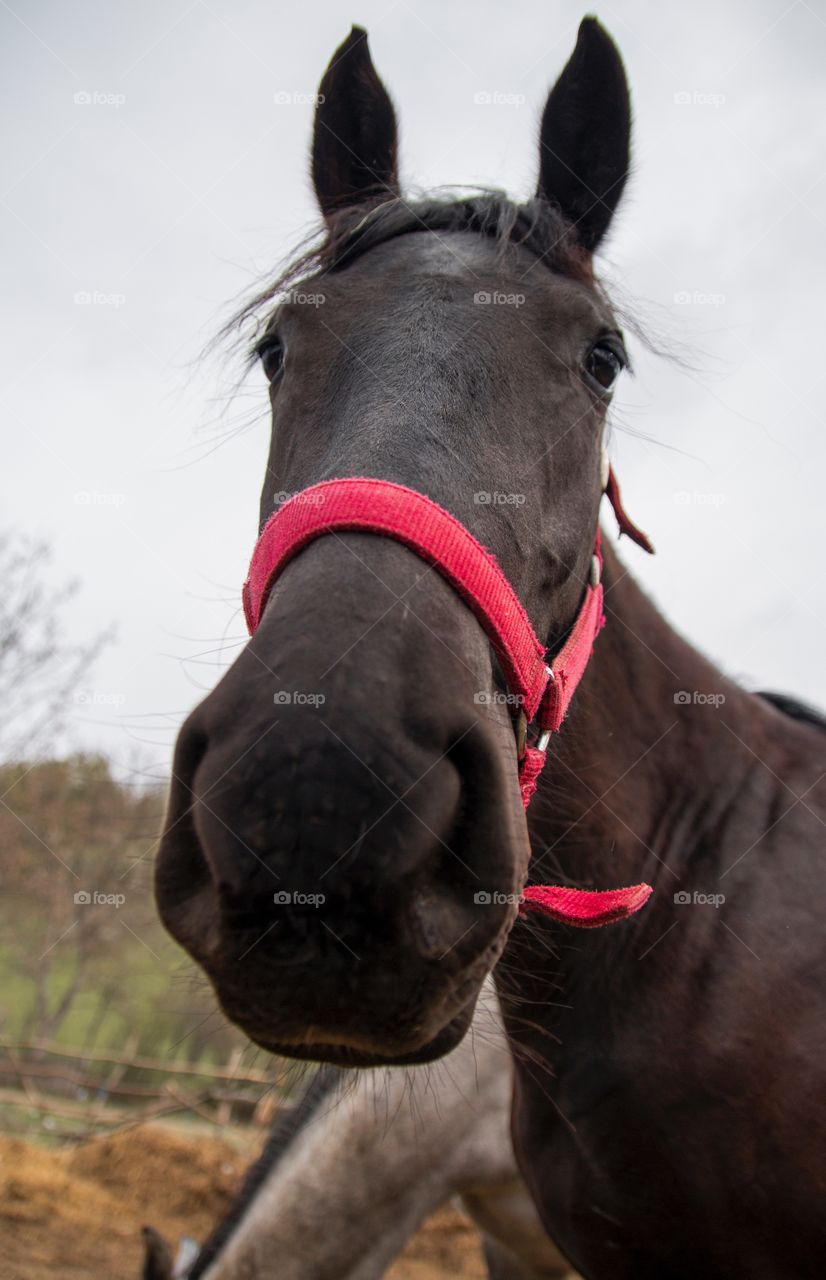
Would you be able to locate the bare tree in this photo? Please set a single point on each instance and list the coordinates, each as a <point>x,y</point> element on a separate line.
<point>39,669</point>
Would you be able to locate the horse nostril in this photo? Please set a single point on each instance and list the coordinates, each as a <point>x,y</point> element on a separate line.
<point>437,924</point>
<point>193,745</point>
<point>247,912</point>
<point>181,869</point>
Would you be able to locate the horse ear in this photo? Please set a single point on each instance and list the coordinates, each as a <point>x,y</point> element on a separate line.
<point>355,135</point>
<point>157,1262</point>
<point>585,136</point>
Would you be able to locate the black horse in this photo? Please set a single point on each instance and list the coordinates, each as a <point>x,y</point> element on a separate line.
<point>670,1100</point>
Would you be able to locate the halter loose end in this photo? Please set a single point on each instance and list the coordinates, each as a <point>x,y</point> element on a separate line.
<point>585,908</point>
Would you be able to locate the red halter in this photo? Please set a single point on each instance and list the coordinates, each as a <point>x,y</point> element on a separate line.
<point>541,691</point>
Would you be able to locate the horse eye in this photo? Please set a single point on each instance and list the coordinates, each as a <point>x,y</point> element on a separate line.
<point>270,351</point>
<point>604,365</point>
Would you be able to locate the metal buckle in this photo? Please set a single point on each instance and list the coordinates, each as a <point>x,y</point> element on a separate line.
<point>521,726</point>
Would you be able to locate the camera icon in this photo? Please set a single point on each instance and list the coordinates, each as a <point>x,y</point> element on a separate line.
<point>682,899</point>
<point>482,499</point>
<point>483,98</point>
<point>282,898</point>
<point>482,698</point>
<point>282,698</point>
<point>482,298</point>
<point>82,898</point>
<point>682,698</point>
<point>82,98</point>
<point>482,898</point>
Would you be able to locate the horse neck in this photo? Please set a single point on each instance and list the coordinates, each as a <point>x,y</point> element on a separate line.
<point>638,774</point>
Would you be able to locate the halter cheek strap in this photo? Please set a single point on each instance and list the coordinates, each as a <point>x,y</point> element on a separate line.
<point>542,692</point>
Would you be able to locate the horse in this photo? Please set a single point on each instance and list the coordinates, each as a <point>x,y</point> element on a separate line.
<point>366,760</point>
<point>354,1168</point>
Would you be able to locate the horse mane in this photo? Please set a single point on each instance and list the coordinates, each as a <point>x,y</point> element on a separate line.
<point>536,225</point>
<point>288,1124</point>
<point>794,708</point>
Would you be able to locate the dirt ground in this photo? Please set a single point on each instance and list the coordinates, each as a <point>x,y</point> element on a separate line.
<point>76,1212</point>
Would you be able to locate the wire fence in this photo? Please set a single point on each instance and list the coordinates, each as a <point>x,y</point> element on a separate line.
<point>92,1092</point>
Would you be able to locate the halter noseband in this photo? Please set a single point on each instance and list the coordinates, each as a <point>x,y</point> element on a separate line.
<point>541,690</point>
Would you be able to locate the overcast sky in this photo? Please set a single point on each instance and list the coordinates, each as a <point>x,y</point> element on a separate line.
<point>153,172</point>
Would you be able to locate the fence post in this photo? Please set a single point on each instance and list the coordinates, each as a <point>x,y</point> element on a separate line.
<point>225,1107</point>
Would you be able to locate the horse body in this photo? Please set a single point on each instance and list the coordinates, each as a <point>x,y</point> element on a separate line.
<point>680,1127</point>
